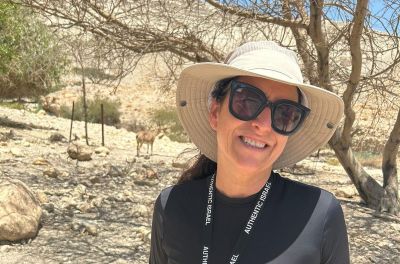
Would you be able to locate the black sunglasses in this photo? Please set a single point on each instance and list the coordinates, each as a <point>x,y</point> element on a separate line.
<point>246,102</point>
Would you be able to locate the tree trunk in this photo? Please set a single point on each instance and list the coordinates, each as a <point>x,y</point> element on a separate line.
<point>300,36</point>
<point>368,188</point>
<point>318,36</point>
<point>390,202</point>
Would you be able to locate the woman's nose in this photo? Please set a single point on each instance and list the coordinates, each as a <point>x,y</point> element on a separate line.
<point>263,120</point>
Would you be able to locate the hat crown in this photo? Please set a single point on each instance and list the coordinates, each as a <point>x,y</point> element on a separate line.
<point>266,56</point>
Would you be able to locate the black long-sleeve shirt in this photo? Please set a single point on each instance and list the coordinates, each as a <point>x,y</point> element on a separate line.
<point>300,224</point>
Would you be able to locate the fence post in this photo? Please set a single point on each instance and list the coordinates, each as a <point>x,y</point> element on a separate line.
<point>102,125</point>
<point>72,120</point>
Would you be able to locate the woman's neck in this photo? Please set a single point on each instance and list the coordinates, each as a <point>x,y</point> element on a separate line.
<point>235,184</point>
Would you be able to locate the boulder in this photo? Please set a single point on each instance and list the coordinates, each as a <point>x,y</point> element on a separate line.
<point>20,211</point>
<point>51,104</point>
<point>79,152</point>
<point>51,172</point>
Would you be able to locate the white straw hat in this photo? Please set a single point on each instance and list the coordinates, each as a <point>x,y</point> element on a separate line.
<point>267,60</point>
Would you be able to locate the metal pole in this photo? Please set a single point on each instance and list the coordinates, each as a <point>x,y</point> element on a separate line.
<point>72,120</point>
<point>102,125</point>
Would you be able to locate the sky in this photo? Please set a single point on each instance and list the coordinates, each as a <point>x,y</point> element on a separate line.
<point>392,13</point>
<point>377,10</point>
<point>381,12</point>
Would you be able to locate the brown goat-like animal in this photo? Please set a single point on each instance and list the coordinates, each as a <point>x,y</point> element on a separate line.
<point>147,137</point>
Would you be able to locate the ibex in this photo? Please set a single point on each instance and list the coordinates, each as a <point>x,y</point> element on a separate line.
<point>147,137</point>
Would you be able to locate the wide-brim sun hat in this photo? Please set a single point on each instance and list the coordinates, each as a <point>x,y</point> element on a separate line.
<point>268,60</point>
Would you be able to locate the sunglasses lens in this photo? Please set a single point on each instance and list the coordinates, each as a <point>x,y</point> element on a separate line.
<point>245,103</point>
<point>286,117</point>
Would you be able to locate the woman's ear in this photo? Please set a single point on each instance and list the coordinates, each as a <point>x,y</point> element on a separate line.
<point>213,114</point>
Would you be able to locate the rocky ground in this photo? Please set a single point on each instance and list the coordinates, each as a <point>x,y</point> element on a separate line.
<point>99,211</point>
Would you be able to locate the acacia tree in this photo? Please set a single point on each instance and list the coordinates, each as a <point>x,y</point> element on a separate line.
<point>319,39</point>
<point>325,34</point>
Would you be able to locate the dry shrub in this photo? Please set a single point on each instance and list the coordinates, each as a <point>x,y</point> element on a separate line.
<point>168,117</point>
<point>370,159</point>
<point>111,111</point>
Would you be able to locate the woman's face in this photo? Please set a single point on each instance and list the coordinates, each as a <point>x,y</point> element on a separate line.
<point>250,145</point>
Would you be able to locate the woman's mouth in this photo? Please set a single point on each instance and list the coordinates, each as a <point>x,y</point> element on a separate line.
<point>253,143</point>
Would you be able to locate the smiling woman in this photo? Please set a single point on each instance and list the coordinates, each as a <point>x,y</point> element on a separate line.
<point>250,146</point>
<point>249,116</point>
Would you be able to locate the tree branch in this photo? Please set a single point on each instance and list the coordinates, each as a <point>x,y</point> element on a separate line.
<point>356,64</point>
<point>241,12</point>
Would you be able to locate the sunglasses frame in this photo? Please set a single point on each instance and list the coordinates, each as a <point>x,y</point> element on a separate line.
<point>235,85</point>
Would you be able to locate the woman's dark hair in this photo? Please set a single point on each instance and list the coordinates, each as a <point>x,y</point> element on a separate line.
<point>202,168</point>
<point>221,89</point>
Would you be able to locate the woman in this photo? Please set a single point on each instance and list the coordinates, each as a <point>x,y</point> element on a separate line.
<point>249,116</point>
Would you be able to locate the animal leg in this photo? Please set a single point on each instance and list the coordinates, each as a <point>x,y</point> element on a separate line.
<point>138,149</point>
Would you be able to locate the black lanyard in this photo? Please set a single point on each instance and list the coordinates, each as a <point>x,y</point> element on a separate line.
<point>243,240</point>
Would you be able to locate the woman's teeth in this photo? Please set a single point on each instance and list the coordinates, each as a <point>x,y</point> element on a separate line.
<point>253,143</point>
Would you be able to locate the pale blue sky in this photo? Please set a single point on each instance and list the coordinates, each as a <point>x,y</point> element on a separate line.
<point>386,10</point>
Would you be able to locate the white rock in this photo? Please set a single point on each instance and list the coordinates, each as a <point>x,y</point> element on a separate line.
<point>346,192</point>
<point>79,152</point>
<point>41,112</point>
<point>140,210</point>
<point>51,172</point>
<point>42,197</point>
<point>41,161</point>
<point>102,149</point>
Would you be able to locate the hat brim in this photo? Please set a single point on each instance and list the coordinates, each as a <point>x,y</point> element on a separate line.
<point>196,82</point>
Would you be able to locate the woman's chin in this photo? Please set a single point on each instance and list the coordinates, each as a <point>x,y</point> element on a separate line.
<point>252,164</point>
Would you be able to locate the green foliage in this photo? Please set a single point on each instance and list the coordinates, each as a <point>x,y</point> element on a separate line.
<point>7,41</point>
<point>31,60</point>
<point>65,111</point>
<point>13,105</point>
<point>168,117</point>
<point>111,111</point>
